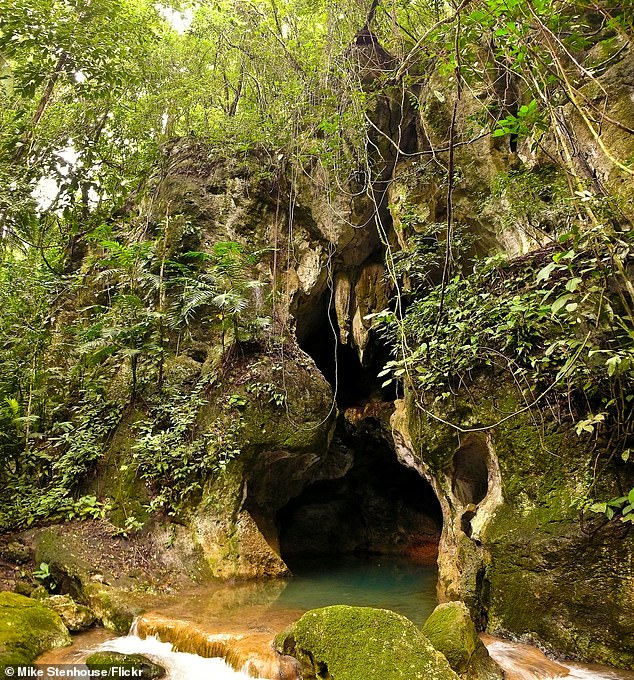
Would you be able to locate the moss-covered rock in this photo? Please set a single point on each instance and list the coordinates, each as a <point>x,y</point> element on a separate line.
<point>116,608</point>
<point>61,552</point>
<point>107,661</point>
<point>452,632</point>
<point>27,629</point>
<point>524,558</point>
<point>354,643</point>
<point>75,616</point>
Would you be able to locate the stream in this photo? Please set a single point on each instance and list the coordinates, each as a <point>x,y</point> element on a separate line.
<point>225,631</point>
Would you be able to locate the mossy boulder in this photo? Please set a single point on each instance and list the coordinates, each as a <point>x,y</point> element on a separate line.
<point>107,661</point>
<point>350,643</point>
<point>61,552</point>
<point>75,616</point>
<point>452,632</point>
<point>116,608</point>
<point>27,629</point>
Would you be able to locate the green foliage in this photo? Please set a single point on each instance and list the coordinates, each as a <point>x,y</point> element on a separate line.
<point>42,573</point>
<point>131,525</point>
<point>44,577</point>
<point>174,456</point>
<point>622,507</point>
<point>88,507</point>
<point>269,391</point>
<point>527,121</point>
<point>558,322</point>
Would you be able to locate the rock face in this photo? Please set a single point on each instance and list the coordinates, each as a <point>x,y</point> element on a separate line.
<point>517,547</point>
<point>348,643</point>
<point>27,628</point>
<point>519,556</point>
<point>452,632</point>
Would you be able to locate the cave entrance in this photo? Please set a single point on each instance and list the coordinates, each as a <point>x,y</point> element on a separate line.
<point>354,381</point>
<point>378,507</point>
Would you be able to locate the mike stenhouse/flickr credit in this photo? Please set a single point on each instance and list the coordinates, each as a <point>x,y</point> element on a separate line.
<point>72,672</point>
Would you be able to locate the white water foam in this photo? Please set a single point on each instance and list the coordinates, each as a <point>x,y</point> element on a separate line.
<point>179,665</point>
<point>577,673</point>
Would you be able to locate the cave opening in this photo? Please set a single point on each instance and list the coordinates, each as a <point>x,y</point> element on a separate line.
<point>367,505</point>
<point>378,507</point>
<point>470,473</point>
<point>354,380</point>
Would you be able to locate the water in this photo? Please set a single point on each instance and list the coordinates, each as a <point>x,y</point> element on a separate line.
<point>525,662</point>
<point>179,665</point>
<point>237,622</point>
<point>377,581</point>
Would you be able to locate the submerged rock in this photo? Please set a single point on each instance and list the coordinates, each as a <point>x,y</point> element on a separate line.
<point>112,660</point>
<point>349,643</point>
<point>27,628</point>
<point>452,632</point>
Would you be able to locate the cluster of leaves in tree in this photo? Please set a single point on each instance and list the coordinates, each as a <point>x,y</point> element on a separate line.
<point>141,308</point>
<point>558,323</point>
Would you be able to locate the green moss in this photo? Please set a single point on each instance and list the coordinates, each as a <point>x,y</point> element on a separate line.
<point>60,551</point>
<point>540,566</point>
<point>117,609</point>
<point>27,629</point>
<point>452,632</point>
<point>114,660</point>
<point>350,643</point>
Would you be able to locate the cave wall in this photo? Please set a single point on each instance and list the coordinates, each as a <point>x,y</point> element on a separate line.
<point>524,557</point>
<point>517,546</point>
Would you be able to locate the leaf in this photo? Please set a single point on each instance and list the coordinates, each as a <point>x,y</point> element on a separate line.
<point>573,284</point>
<point>612,364</point>
<point>545,272</point>
<point>560,302</point>
<point>630,497</point>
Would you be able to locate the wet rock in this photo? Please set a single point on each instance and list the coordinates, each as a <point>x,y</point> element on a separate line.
<point>144,668</point>
<point>452,632</point>
<point>27,629</point>
<point>349,643</point>
<point>116,608</point>
<point>75,616</point>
